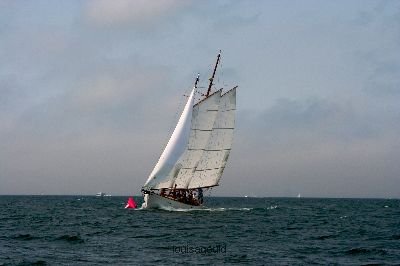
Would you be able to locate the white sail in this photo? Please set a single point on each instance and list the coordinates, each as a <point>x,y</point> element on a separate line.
<point>204,115</point>
<point>176,146</point>
<point>215,155</point>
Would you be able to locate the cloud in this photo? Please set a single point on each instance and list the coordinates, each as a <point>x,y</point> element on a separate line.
<point>314,147</point>
<point>384,74</point>
<point>311,120</point>
<point>122,12</point>
<point>89,93</point>
<point>381,60</point>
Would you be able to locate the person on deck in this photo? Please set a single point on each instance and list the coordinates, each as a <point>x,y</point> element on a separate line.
<point>174,196</point>
<point>190,197</point>
<point>200,196</point>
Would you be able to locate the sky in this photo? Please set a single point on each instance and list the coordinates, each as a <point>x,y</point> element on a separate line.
<point>90,92</point>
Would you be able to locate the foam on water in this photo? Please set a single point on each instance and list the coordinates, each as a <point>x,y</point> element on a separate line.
<point>205,209</point>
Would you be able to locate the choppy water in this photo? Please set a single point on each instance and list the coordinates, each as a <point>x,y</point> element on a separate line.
<point>73,230</point>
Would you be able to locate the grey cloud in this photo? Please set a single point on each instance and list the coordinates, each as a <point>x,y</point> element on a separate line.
<point>384,79</point>
<point>88,102</point>
<point>313,147</point>
<point>133,13</point>
<point>382,60</point>
<point>314,119</point>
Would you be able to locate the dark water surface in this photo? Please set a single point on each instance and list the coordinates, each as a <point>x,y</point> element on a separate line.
<point>80,230</point>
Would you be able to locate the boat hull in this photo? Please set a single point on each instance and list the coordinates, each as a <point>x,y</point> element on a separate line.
<point>154,201</point>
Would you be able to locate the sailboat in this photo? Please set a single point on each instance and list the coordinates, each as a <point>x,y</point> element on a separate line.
<point>196,154</point>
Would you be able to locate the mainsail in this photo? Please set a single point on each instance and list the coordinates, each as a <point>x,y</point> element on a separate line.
<point>215,154</point>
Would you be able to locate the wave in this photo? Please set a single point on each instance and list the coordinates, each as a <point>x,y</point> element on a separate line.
<point>30,262</point>
<point>323,237</point>
<point>363,251</point>
<point>396,237</point>
<point>205,209</point>
<point>23,237</point>
<point>147,236</point>
<point>71,238</point>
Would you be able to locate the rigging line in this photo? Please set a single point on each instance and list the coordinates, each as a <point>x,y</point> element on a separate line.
<point>220,76</point>
<point>209,191</point>
<point>223,81</point>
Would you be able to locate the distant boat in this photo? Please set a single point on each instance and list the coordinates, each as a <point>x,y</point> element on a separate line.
<point>196,154</point>
<point>251,196</point>
<point>102,194</point>
<point>299,196</point>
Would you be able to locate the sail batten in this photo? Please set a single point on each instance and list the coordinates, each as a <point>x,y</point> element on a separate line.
<point>201,129</point>
<point>208,150</point>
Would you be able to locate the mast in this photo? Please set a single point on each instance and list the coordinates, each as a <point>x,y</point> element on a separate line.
<point>213,75</point>
<point>197,80</point>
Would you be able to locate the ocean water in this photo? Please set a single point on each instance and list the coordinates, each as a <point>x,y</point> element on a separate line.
<point>83,230</point>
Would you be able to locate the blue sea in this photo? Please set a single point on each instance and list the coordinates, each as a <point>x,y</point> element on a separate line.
<point>85,230</point>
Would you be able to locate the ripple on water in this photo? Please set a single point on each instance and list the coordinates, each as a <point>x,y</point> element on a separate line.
<point>365,251</point>
<point>70,238</point>
<point>63,230</point>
